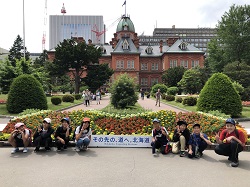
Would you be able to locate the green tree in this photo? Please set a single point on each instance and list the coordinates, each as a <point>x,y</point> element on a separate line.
<point>7,74</point>
<point>74,57</point>
<point>97,76</point>
<point>26,93</point>
<point>239,72</point>
<point>163,88</point>
<point>123,92</point>
<point>219,94</point>
<point>233,30</point>
<point>41,60</point>
<point>172,76</point>
<point>17,51</point>
<point>191,81</point>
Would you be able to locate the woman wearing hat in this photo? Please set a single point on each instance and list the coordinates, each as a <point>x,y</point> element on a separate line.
<point>83,135</point>
<point>231,141</point>
<point>20,137</point>
<point>62,134</point>
<point>42,136</point>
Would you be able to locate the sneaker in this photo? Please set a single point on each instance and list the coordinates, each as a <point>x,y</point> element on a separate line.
<point>47,149</point>
<point>25,150</point>
<point>182,154</point>
<point>77,149</point>
<point>36,149</point>
<point>197,155</point>
<point>234,164</point>
<point>15,150</point>
<point>154,154</point>
<point>58,149</point>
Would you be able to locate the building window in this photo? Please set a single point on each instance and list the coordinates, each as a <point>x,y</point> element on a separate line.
<point>144,66</point>
<point>154,81</point>
<point>154,66</point>
<point>173,63</point>
<point>144,81</point>
<point>195,63</point>
<point>130,64</point>
<point>184,63</point>
<point>119,64</point>
<point>125,45</point>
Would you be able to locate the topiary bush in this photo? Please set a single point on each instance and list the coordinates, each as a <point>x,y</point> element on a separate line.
<point>26,92</point>
<point>219,94</point>
<point>170,97</point>
<point>190,101</point>
<point>68,98</point>
<point>155,88</point>
<point>172,90</point>
<point>77,96</point>
<point>56,100</point>
<point>123,92</point>
<point>178,99</point>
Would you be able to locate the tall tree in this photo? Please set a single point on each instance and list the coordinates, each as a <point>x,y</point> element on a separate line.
<point>172,76</point>
<point>233,31</point>
<point>17,51</point>
<point>41,60</point>
<point>74,57</point>
<point>7,74</point>
<point>97,76</point>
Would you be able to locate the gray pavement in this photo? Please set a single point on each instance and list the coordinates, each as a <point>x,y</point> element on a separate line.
<point>119,167</point>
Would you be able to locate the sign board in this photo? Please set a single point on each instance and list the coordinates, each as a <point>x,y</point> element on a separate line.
<point>120,141</point>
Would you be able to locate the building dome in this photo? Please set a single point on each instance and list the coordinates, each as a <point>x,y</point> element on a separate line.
<point>125,24</point>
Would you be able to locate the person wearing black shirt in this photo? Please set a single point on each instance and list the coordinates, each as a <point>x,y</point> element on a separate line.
<point>62,134</point>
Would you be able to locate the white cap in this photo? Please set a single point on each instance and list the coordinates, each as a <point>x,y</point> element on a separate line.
<point>47,120</point>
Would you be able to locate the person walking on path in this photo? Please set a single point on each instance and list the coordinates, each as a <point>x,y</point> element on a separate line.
<point>158,97</point>
<point>98,97</point>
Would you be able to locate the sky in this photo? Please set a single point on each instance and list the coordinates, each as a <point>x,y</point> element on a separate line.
<point>145,14</point>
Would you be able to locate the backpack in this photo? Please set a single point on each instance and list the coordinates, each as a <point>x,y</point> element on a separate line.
<point>166,149</point>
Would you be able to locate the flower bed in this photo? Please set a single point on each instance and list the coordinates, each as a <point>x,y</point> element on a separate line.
<point>134,124</point>
<point>246,103</point>
<point>2,101</point>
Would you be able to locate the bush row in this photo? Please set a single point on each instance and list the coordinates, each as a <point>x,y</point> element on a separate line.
<point>56,100</point>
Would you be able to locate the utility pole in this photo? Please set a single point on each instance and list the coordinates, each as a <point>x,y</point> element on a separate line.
<point>24,34</point>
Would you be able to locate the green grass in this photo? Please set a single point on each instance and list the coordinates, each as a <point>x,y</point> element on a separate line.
<point>130,110</point>
<point>3,110</point>
<point>246,112</point>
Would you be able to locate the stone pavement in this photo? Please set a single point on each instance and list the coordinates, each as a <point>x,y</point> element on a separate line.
<point>123,167</point>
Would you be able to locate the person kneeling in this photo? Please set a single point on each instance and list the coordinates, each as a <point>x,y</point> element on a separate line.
<point>159,138</point>
<point>83,135</point>
<point>62,134</point>
<point>198,142</point>
<point>20,137</point>
<point>231,141</point>
<point>42,137</point>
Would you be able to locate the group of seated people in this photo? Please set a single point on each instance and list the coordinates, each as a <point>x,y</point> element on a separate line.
<point>22,137</point>
<point>230,141</point>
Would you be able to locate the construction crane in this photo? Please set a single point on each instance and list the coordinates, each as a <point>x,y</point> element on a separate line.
<point>44,26</point>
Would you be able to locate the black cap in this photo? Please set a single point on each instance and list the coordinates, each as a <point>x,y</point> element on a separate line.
<point>182,122</point>
<point>196,125</point>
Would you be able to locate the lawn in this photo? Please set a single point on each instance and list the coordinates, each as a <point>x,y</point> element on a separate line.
<point>3,110</point>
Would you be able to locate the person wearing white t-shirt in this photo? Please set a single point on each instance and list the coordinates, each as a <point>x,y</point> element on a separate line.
<point>83,135</point>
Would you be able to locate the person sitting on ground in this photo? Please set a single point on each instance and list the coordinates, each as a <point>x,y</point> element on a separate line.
<point>198,142</point>
<point>231,141</point>
<point>62,134</point>
<point>83,135</point>
<point>42,136</point>
<point>159,137</point>
<point>20,137</point>
<point>181,137</point>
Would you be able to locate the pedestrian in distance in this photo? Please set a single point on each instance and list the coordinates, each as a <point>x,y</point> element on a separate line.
<point>180,138</point>
<point>198,142</point>
<point>42,136</point>
<point>158,97</point>
<point>159,138</point>
<point>62,134</point>
<point>20,137</point>
<point>231,142</point>
<point>83,135</point>
<point>98,97</point>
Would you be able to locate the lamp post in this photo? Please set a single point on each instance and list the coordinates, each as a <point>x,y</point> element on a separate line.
<point>63,11</point>
<point>23,34</point>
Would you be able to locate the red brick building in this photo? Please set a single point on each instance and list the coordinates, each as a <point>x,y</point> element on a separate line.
<point>145,63</point>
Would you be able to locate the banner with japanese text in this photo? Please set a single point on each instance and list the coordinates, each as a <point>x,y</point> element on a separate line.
<point>120,141</point>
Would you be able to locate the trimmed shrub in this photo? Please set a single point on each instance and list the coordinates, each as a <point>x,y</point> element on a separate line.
<point>68,98</point>
<point>78,96</point>
<point>190,101</point>
<point>219,94</point>
<point>163,96</point>
<point>26,92</point>
<point>56,100</point>
<point>170,97</point>
<point>178,99</point>
<point>172,90</point>
<point>162,87</point>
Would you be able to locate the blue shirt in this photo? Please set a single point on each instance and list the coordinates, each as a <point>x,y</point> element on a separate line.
<point>195,139</point>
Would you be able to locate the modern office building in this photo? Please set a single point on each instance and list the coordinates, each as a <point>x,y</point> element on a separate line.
<point>198,37</point>
<point>68,26</point>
